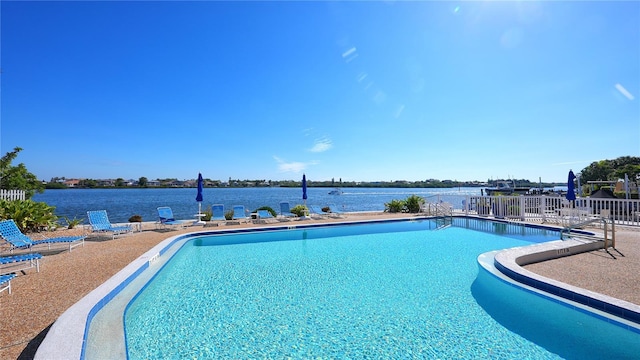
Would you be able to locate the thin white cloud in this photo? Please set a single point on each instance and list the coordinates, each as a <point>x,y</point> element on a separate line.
<point>349,52</point>
<point>399,111</point>
<point>380,97</point>
<point>293,167</point>
<point>624,92</point>
<point>321,145</point>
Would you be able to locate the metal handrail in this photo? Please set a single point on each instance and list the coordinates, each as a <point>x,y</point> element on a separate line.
<point>606,240</point>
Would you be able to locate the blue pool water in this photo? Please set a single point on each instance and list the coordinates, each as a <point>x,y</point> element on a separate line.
<point>393,290</point>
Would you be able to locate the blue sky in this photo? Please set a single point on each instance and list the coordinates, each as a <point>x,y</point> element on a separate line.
<point>362,91</point>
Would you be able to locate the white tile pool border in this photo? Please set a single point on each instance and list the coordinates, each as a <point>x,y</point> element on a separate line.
<point>66,337</point>
<point>509,263</point>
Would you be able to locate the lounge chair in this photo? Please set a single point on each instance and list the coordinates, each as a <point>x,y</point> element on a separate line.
<point>336,212</point>
<point>217,215</point>
<point>285,211</point>
<point>10,264</point>
<point>12,234</point>
<point>263,217</point>
<point>316,212</point>
<point>239,213</point>
<point>5,282</point>
<point>100,224</point>
<point>166,218</point>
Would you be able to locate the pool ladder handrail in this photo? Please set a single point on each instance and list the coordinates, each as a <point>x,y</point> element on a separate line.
<point>608,226</point>
<point>443,211</point>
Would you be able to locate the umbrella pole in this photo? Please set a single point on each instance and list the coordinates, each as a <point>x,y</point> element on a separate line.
<point>304,216</point>
<point>199,215</point>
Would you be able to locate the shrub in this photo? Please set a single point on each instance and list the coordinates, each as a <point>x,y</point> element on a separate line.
<point>228,215</point>
<point>75,222</point>
<point>135,218</point>
<point>29,215</point>
<point>413,204</point>
<point>299,210</point>
<point>394,206</point>
<point>207,215</point>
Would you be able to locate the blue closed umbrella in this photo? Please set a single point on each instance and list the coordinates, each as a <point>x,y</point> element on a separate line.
<point>304,187</point>
<point>571,191</point>
<point>200,186</point>
<point>304,193</point>
<point>199,196</point>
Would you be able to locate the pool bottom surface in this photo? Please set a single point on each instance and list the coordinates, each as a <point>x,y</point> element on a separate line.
<point>392,295</point>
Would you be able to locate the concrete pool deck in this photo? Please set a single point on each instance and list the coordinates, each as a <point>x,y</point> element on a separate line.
<point>38,299</point>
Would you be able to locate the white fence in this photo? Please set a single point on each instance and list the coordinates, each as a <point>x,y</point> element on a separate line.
<point>545,208</point>
<point>12,194</point>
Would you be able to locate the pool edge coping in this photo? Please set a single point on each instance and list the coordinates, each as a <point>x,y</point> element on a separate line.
<point>510,262</point>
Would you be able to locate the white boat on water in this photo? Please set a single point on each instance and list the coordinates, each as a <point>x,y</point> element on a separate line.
<point>505,188</point>
<point>335,191</point>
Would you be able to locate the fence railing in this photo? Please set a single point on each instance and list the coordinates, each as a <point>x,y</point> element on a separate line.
<point>12,194</point>
<point>544,208</point>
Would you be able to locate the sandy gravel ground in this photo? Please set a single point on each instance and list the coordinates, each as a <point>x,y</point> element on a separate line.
<point>598,271</point>
<point>64,278</point>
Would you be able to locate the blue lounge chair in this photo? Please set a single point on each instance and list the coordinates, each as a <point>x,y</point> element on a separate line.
<point>100,224</point>
<point>336,211</point>
<point>316,212</point>
<point>217,215</point>
<point>217,212</point>
<point>5,282</point>
<point>166,218</point>
<point>285,210</point>
<point>264,216</point>
<point>239,213</point>
<point>10,233</point>
<point>13,263</point>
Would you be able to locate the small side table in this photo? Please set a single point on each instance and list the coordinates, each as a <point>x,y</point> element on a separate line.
<point>136,226</point>
<point>199,217</point>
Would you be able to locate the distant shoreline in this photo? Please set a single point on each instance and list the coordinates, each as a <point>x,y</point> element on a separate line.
<point>390,186</point>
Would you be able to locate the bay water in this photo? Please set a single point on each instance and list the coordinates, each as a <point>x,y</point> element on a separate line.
<point>121,204</point>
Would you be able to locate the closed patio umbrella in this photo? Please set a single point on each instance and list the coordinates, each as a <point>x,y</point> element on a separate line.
<point>304,191</point>
<point>199,197</point>
<point>304,188</point>
<point>571,191</point>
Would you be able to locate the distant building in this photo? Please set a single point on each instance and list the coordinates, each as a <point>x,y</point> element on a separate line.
<point>71,182</point>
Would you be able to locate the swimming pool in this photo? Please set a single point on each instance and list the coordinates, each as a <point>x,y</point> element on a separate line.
<point>418,319</point>
<point>394,289</point>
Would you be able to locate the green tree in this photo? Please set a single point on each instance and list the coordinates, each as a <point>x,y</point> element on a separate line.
<point>18,177</point>
<point>143,181</point>
<point>119,182</point>
<point>612,169</point>
<point>89,183</point>
<point>56,185</point>
<point>596,171</point>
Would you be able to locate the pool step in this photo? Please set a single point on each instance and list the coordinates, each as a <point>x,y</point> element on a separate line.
<point>443,222</point>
